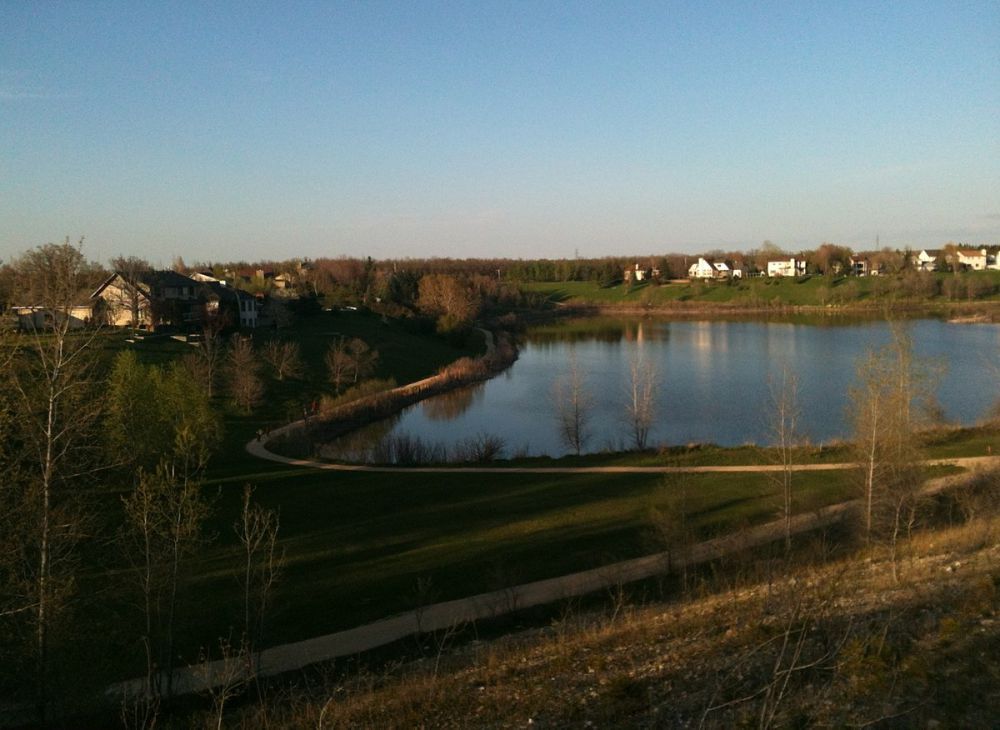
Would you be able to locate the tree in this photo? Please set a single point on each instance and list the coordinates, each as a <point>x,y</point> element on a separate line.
<point>157,414</point>
<point>349,360</point>
<point>338,363</point>
<point>53,388</point>
<point>573,408</point>
<point>205,363</point>
<point>784,422</point>
<point>245,386</point>
<point>363,358</point>
<point>449,299</point>
<point>257,532</point>
<point>888,382</point>
<point>830,258</point>
<point>640,400</point>
<point>284,358</point>
<point>164,516</point>
<point>129,297</point>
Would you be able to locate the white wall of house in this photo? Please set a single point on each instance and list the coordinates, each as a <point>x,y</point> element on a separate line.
<point>701,270</point>
<point>786,267</point>
<point>975,260</point>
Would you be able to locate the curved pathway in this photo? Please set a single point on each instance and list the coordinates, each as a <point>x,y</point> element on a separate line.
<point>259,449</point>
<point>451,614</point>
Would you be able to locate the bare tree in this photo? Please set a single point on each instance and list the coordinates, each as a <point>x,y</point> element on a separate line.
<point>130,297</point>
<point>363,358</point>
<point>284,358</point>
<point>672,526</point>
<point>164,516</point>
<point>205,363</point>
<point>784,427</point>
<point>338,363</point>
<point>881,409</point>
<point>257,531</point>
<point>350,360</point>
<point>640,400</point>
<point>573,405</point>
<point>52,379</point>
<point>245,386</point>
<point>450,299</point>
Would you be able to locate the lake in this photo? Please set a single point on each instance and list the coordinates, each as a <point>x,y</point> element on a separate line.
<point>713,380</point>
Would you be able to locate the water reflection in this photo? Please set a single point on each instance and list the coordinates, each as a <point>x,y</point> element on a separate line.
<point>448,406</point>
<point>713,382</point>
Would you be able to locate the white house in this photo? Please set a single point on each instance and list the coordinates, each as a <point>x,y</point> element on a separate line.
<point>925,260</point>
<point>727,270</point>
<point>37,318</point>
<point>786,267</point>
<point>702,269</point>
<point>972,259</point>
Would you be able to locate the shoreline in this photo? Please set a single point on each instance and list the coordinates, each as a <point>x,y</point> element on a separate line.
<point>981,311</point>
<point>501,353</point>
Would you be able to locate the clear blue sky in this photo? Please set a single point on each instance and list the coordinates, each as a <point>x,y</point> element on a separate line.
<point>218,131</point>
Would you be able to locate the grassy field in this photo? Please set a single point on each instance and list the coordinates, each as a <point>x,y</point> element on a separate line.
<point>757,292</point>
<point>356,544</point>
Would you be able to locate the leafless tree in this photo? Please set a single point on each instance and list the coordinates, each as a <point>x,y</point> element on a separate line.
<point>784,427</point>
<point>245,386</point>
<point>640,400</point>
<point>284,358</point>
<point>130,297</point>
<point>450,299</point>
<point>671,525</point>
<point>163,526</point>
<point>573,404</point>
<point>257,531</point>
<point>52,381</point>
<point>205,363</point>
<point>350,360</point>
<point>888,381</point>
<point>338,363</point>
<point>363,358</point>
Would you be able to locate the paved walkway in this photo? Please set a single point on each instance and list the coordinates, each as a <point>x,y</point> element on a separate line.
<point>442,616</point>
<point>259,449</point>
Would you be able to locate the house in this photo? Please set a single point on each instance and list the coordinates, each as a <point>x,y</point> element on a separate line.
<point>147,299</point>
<point>860,266</point>
<point>702,269</point>
<point>226,301</point>
<point>37,317</point>
<point>972,259</point>
<point>727,270</point>
<point>993,260</point>
<point>716,269</point>
<point>640,274</point>
<point>786,267</point>
<point>925,260</point>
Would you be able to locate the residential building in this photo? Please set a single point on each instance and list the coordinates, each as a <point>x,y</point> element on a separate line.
<point>786,267</point>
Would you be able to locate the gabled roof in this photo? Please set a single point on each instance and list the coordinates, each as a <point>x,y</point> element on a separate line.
<point>145,281</point>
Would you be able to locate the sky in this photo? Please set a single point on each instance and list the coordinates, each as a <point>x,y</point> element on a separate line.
<point>248,131</point>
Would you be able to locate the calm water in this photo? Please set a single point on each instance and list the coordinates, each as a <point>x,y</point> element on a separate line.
<point>713,380</point>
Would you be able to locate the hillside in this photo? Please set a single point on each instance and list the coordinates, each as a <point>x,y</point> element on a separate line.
<point>837,642</point>
<point>856,292</point>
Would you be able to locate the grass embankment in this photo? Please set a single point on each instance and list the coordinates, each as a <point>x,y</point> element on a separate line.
<point>837,644</point>
<point>767,293</point>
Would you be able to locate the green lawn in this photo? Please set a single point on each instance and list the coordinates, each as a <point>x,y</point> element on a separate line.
<point>356,544</point>
<point>759,292</point>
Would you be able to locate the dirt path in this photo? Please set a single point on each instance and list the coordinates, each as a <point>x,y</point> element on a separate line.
<point>259,449</point>
<point>442,616</point>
